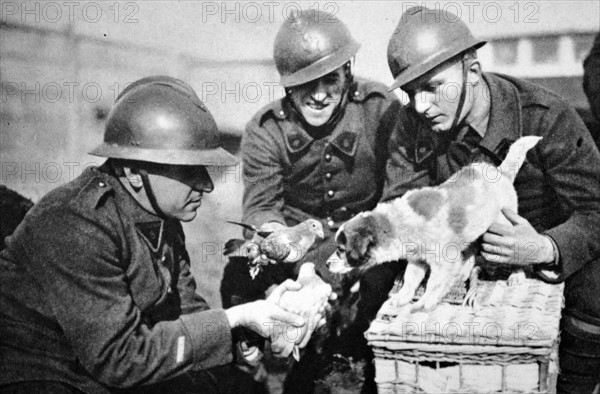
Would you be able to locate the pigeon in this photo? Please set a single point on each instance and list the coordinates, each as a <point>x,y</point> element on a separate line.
<point>309,303</point>
<point>248,249</point>
<point>251,227</point>
<point>241,248</point>
<point>288,244</point>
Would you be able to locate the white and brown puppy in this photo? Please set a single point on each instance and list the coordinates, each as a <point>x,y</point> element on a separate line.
<point>433,227</point>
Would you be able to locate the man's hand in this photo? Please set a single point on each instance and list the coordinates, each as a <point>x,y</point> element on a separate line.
<point>519,244</point>
<point>264,316</point>
<point>268,227</point>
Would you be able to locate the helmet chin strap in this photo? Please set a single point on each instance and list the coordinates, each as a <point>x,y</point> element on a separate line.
<point>151,195</point>
<point>463,95</point>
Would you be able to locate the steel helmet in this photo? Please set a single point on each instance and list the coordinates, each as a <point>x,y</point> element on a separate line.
<point>161,119</point>
<point>310,45</point>
<point>424,39</point>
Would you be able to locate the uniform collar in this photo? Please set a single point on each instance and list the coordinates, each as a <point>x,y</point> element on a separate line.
<point>149,226</point>
<point>505,117</point>
<point>344,136</point>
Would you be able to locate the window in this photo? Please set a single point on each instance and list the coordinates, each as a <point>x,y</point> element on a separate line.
<point>545,49</point>
<point>582,44</point>
<point>505,51</point>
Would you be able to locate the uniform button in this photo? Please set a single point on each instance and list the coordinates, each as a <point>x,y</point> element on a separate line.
<point>356,93</point>
<point>101,184</point>
<point>330,193</point>
<point>328,157</point>
<point>330,222</point>
<point>328,176</point>
<point>281,113</point>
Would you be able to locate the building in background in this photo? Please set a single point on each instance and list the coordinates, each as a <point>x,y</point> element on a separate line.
<point>552,59</point>
<point>62,64</point>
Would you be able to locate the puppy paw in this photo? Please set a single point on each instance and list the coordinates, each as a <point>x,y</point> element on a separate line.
<point>516,278</point>
<point>424,305</point>
<point>399,299</point>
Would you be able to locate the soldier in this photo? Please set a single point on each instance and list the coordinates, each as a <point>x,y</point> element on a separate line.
<point>318,153</point>
<point>457,115</point>
<point>96,292</point>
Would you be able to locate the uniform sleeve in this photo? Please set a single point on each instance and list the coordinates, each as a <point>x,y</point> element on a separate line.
<point>77,263</point>
<point>401,173</point>
<point>263,179</point>
<point>572,167</point>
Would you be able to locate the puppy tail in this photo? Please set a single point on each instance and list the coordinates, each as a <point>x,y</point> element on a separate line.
<point>516,156</point>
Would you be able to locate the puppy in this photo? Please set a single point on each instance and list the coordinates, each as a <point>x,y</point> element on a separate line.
<point>433,227</point>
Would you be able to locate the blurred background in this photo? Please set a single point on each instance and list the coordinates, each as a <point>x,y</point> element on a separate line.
<point>62,64</point>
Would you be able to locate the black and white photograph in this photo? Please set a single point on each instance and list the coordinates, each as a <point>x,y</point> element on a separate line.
<point>299,197</point>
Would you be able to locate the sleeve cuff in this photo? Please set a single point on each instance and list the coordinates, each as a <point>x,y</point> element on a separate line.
<point>556,262</point>
<point>210,335</point>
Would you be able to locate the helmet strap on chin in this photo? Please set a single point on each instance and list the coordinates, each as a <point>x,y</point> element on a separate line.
<point>463,93</point>
<point>150,194</point>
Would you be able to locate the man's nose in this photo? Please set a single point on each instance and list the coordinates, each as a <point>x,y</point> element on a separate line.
<point>203,181</point>
<point>206,185</point>
<point>421,102</point>
<point>320,91</point>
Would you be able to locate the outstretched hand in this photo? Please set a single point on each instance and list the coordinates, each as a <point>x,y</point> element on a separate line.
<point>264,316</point>
<point>516,244</point>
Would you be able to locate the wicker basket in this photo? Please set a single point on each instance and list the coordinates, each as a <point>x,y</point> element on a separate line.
<point>506,343</point>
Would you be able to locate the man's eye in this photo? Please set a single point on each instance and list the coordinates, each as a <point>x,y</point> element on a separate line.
<point>331,79</point>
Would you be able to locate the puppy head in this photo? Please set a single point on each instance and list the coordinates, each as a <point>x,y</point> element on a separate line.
<point>354,240</point>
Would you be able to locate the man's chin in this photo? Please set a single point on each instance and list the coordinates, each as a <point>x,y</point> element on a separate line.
<point>187,216</point>
<point>439,128</point>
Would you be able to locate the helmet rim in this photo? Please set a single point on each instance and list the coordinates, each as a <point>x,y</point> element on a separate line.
<point>321,67</point>
<point>415,71</point>
<point>162,121</point>
<point>217,157</point>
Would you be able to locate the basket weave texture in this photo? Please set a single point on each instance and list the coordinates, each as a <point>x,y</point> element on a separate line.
<point>506,342</point>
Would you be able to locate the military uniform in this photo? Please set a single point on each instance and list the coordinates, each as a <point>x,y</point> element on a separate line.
<point>291,175</point>
<point>558,188</point>
<point>96,293</point>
